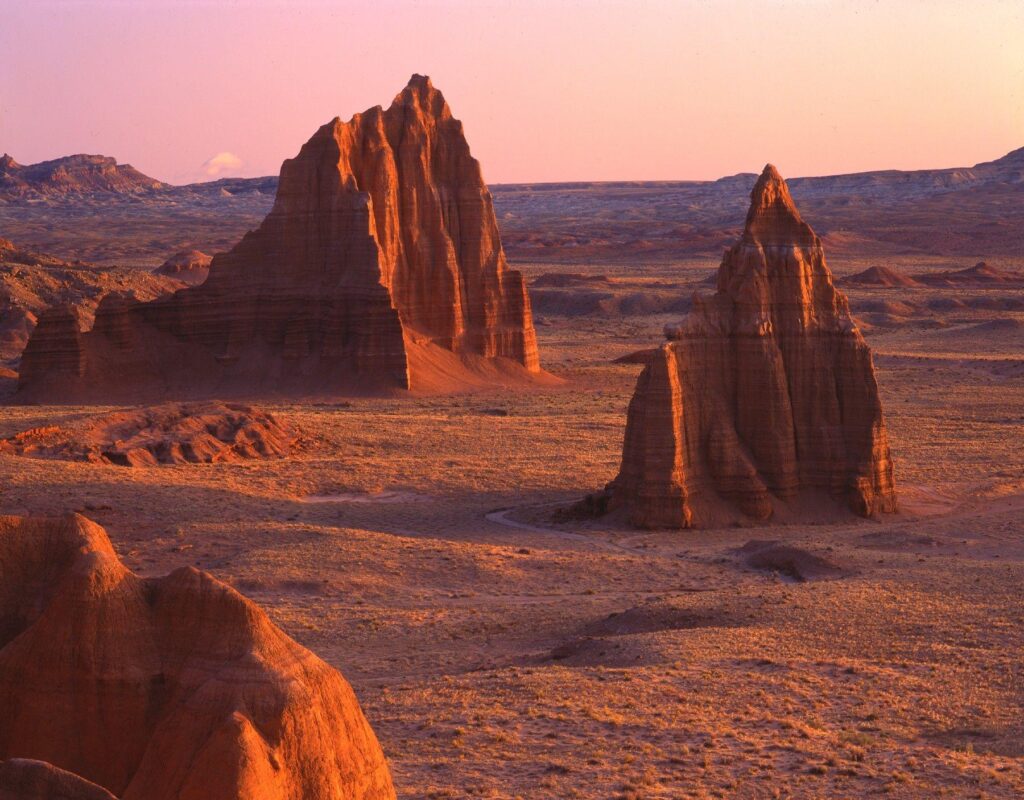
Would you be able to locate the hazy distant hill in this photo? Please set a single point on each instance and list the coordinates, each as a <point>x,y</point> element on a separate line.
<point>967,211</point>
<point>93,208</point>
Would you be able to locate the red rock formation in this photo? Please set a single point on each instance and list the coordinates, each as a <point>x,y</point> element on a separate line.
<point>764,398</point>
<point>382,243</point>
<point>175,688</point>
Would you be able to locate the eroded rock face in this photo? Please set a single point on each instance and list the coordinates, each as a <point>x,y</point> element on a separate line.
<point>171,688</point>
<point>382,242</point>
<point>764,400</point>
<point>171,433</point>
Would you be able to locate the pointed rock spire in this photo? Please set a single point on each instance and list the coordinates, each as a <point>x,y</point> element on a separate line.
<point>765,397</point>
<point>773,218</point>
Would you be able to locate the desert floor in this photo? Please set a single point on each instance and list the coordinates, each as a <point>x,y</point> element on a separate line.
<point>500,654</point>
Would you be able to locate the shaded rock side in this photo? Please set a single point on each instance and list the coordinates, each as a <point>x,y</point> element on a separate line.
<point>765,396</point>
<point>176,687</point>
<point>382,238</point>
<point>26,779</point>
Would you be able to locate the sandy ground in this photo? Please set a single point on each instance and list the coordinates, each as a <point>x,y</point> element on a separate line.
<point>499,654</point>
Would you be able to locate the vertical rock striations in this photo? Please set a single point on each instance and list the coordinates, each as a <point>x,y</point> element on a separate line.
<point>764,400</point>
<point>382,243</point>
<point>173,688</point>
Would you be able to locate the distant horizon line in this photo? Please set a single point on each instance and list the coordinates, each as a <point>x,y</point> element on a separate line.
<point>563,182</point>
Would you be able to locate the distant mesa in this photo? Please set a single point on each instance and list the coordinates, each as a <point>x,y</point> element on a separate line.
<point>882,277</point>
<point>71,176</point>
<point>171,433</point>
<point>161,688</point>
<point>380,268</point>
<point>763,403</point>
<point>190,266</point>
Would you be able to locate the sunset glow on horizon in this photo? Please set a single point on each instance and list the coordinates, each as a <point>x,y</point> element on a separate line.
<point>557,91</point>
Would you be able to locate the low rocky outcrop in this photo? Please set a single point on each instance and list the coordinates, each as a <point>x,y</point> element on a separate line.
<point>981,275</point>
<point>764,401</point>
<point>173,688</point>
<point>172,433</point>
<point>379,268</point>
<point>190,266</point>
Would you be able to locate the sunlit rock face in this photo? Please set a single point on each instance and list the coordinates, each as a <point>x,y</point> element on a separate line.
<point>382,240</point>
<point>764,401</point>
<point>173,688</point>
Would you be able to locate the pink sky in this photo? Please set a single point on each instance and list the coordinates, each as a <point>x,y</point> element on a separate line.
<point>548,91</point>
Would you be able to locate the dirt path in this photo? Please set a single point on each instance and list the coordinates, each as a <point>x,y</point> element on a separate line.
<point>500,517</point>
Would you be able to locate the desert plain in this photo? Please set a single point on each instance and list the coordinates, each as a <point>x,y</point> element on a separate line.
<point>501,649</point>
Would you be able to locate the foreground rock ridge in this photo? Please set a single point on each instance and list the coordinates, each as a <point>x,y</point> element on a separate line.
<point>382,245</point>
<point>175,688</point>
<point>764,401</point>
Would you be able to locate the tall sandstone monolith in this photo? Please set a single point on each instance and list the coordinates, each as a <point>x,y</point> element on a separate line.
<point>764,401</point>
<point>172,688</point>
<point>380,257</point>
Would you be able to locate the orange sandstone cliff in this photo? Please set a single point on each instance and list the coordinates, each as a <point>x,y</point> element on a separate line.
<point>381,253</point>
<point>175,688</point>
<point>764,401</point>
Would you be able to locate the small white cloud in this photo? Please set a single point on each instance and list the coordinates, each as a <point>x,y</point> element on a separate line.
<point>220,164</point>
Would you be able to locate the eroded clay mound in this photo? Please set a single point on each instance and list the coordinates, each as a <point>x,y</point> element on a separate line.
<point>173,688</point>
<point>764,400</point>
<point>173,433</point>
<point>881,276</point>
<point>980,275</point>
